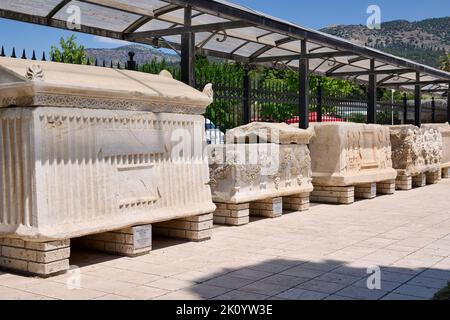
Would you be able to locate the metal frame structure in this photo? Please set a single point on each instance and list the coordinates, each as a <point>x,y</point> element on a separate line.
<point>222,29</point>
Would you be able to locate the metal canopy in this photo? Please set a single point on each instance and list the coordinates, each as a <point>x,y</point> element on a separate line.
<point>230,31</point>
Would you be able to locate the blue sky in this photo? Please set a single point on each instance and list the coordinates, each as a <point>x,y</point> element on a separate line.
<point>309,13</point>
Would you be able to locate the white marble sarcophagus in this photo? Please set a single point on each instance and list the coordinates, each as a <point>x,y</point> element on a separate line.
<point>261,168</point>
<point>86,150</point>
<point>416,155</point>
<point>350,160</point>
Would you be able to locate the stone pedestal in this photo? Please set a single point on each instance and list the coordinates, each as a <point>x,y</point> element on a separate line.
<point>269,208</point>
<point>366,191</point>
<point>419,180</point>
<point>433,177</point>
<point>36,258</point>
<point>333,195</point>
<point>132,241</point>
<point>297,202</point>
<point>445,173</point>
<point>403,182</point>
<point>232,214</point>
<point>196,228</point>
<point>386,187</point>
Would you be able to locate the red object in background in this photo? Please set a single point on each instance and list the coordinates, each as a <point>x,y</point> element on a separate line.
<point>313,118</point>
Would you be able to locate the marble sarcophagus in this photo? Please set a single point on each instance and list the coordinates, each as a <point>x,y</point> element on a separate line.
<point>444,129</point>
<point>87,150</point>
<point>350,160</point>
<point>261,168</point>
<point>416,155</point>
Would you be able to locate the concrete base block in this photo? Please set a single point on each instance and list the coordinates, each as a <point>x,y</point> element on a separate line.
<point>132,241</point>
<point>232,214</point>
<point>269,208</point>
<point>42,259</point>
<point>433,177</point>
<point>420,180</point>
<point>333,195</point>
<point>445,173</point>
<point>386,187</point>
<point>297,202</point>
<point>403,183</point>
<point>196,228</point>
<point>366,191</point>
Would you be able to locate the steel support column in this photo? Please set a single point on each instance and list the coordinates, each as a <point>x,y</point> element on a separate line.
<point>246,102</point>
<point>303,101</point>
<point>448,103</point>
<point>433,110</point>
<point>372,94</point>
<point>418,102</point>
<point>188,51</point>
<point>319,101</point>
<point>405,109</point>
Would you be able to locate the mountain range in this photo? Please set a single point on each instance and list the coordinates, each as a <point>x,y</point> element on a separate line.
<point>422,41</point>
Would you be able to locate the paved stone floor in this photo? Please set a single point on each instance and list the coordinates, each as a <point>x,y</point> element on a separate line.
<point>320,254</point>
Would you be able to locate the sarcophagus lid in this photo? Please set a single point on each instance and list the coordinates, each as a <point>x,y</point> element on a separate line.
<point>25,83</point>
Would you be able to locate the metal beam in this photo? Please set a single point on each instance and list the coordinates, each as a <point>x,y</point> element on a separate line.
<point>57,8</point>
<point>188,29</point>
<point>303,106</point>
<point>246,100</point>
<point>319,55</point>
<point>363,73</point>
<point>417,102</point>
<point>188,51</point>
<point>372,94</point>
<point>412,83</point>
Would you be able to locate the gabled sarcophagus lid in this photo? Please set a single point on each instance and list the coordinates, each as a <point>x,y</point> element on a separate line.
<point>25,83</point>
<point>85,150</point>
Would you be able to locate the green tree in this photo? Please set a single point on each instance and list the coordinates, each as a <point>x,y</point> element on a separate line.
<point>69,51</point>
<point>444,62</point>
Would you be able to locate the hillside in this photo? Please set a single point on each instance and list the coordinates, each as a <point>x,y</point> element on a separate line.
<point>422,41</point>
<point>120,54</point>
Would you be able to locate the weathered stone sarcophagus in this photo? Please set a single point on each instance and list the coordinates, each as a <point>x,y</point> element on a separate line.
<point>262,168</point>
<point>416,155</point>
<point>444,129</point>
<point>350,160</point>
<point>87,150</point>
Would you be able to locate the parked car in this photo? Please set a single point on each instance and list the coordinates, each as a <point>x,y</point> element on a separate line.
<point>313,118</point>
<point>213,133</point>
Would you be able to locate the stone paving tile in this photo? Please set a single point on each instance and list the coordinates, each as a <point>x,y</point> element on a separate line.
<point>229,282</point>
<point>57,290</point>
<point>206,291</point>
<point>170,284</point>
<point>416,291</point>
<point>241,295</point>
<point>250,274</point>
<point>428,282</point>
<point>265,288</point>
<point>301,294</point>
<point>438,274</point>
<point>338,278</point>
<point>397,297</point>
<point>302,272</point>
<point>361,293</point>
<point>14,294</point>
<point>142,293</point>
<point>321,286</point>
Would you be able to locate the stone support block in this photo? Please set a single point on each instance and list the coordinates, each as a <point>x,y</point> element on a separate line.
<point>419,180</point>
<point>132,241</point>
<point>333,195</point>
<point>196,228</point>
<point>386,187</point>
<point>366,191</point>
<point>446,173</point>
<point>42,259</point>
<point>403,182</point>
<point>269,208</point>
<point>232,214</point>
<point>297,202</point>
<point>433,177</point>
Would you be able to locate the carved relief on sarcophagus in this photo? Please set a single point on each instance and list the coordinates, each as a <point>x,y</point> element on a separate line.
<point>346,154</point>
